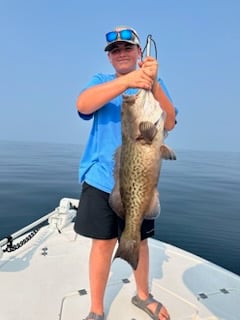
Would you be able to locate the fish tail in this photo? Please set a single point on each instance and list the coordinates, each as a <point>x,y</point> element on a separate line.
<point>128,250</point>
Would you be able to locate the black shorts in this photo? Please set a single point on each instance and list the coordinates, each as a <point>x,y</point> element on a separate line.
<point>95,218</point>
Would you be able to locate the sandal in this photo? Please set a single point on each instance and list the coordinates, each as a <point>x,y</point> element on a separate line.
<point>143,304</point>
<point>94,316</point>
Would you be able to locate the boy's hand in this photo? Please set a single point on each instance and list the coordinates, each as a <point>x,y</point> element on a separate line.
<point>150,67</point>
<point>138,79</point>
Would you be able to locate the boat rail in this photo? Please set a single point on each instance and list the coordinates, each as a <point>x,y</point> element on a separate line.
<point>59,217</point>
<point>26,229</point>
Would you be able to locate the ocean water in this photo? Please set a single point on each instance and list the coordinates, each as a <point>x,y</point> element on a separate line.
<point>200,195</point>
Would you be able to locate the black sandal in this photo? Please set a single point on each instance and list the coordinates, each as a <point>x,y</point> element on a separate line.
<point>94,316</point>
<point>143,305</point>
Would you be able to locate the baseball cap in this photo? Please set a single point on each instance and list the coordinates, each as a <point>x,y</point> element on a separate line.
<point>121,34</point>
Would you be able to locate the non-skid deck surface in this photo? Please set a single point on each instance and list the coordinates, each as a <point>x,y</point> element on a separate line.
<point>48,279</point>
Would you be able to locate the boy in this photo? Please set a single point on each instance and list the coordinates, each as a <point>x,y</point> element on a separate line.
<point>101,100</point>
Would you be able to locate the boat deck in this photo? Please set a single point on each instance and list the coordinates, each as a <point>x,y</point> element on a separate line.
<point>47,278</point>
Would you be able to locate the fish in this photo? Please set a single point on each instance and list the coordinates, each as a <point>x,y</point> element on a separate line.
<point>137,169</point>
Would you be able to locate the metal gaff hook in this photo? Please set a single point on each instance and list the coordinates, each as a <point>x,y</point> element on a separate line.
<point>148,48</point>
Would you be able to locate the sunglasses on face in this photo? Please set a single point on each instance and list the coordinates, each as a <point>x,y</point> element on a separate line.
<point>122,35</point>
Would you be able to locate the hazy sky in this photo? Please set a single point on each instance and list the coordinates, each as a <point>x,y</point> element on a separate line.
<point>50,48</point>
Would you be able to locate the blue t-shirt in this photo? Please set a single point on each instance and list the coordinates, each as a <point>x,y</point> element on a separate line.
<point>97,162</point>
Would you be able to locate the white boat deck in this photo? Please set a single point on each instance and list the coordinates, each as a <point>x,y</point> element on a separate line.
<point>47,278</point>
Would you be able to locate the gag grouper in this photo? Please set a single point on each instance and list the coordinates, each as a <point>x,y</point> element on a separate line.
<point>137,169</point>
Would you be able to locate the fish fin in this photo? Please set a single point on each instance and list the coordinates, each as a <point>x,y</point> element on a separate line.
<point>167,153</point>
<point>128,250</point>
<point>154,208</point>
<point>115,200</point>
<point>148,131</point>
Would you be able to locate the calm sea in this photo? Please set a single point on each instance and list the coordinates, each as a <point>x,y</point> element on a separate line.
<point>200,195</point>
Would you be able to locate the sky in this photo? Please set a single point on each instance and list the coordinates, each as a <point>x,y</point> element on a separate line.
<point>49,50</point>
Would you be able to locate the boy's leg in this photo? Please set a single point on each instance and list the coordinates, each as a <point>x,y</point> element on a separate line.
<point>99,266</point>
<point>96,220</point>
<point>141,275</point>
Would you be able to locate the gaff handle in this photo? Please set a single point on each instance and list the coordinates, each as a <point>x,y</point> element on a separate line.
<point>148,48</point>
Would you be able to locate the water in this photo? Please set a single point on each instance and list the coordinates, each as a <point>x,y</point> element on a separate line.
<point>200,195</point>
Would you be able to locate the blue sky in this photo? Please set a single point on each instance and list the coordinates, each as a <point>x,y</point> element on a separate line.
<point>50,49</point>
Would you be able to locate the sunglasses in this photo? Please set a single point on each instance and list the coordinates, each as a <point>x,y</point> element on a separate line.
<point>122,35</point>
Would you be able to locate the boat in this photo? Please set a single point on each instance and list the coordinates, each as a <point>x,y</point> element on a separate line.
<point>44,275</point>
